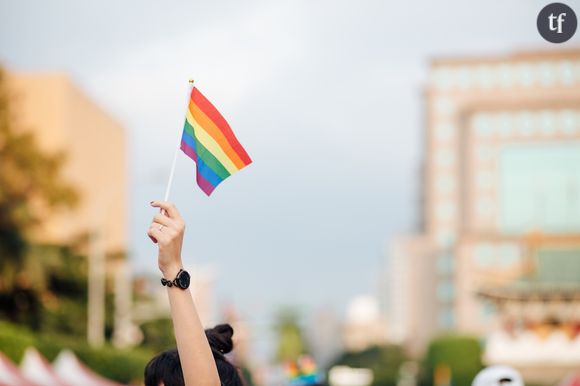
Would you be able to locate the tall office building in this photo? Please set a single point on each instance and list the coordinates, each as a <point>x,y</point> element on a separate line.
<point>502,201</point>
<point>63,119</point>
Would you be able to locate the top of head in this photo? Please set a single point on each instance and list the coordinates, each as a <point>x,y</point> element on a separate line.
<point>498,376</point>
<point>220,338</point>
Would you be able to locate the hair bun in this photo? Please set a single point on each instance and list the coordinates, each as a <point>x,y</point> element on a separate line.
<point>220,338</point>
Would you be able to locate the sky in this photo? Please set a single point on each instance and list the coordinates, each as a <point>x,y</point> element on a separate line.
<point>326,97</point>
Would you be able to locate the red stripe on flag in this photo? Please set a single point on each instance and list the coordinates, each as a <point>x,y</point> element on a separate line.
<point>213,114</point>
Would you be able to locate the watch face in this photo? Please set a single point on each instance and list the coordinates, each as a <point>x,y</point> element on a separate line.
<point>183,279</point>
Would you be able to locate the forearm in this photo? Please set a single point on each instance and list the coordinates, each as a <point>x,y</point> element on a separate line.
<point>196,358</point>
<point>197,362</point>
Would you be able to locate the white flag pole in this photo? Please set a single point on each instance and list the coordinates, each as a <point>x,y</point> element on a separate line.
<point>170,181</point>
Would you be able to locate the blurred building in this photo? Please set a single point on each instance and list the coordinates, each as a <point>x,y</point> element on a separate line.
<point>241,355</point>
<point>324,331</point>
<point>64,119</point>
<point>501,211</point>
<point>411,301</point>
<point>364,326</point>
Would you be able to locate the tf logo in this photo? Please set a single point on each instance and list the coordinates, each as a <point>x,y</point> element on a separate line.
<point>557,23</point>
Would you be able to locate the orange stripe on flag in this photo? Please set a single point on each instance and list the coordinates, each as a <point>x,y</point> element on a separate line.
<point>209,126</point>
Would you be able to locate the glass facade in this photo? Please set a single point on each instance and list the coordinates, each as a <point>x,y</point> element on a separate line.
<point>445,318</point>
<point>445,264</point>
<point>503,161</point>
<point>445,290</point>
<point>558,265</point>
<point>501,255</point>
<point>540,187</point>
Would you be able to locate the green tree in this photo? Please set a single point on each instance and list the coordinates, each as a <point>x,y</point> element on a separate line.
<point>158,334</point>
<point>291,342</point>
<point>31,187</point>
<point>384,361</point>
<point>459,356</point>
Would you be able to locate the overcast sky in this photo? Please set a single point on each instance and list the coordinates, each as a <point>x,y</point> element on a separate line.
<point>324,95</point>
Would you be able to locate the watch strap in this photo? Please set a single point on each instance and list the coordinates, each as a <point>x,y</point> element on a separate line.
<point>171,283</point>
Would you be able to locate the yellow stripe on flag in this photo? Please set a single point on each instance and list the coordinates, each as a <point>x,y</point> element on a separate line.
<point>211,145</point>
<point>211,128</point>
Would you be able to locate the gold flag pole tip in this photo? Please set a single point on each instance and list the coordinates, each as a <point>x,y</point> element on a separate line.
<point>191,81</point>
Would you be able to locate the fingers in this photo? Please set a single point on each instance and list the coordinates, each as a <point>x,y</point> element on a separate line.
<point>162,219</point>
<point>159,232</point>
<point>154,232</point>
<point>167,224</point>
<point>168,207</point>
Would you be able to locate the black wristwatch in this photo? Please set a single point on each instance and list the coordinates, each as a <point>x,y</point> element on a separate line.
<point>181,280</point>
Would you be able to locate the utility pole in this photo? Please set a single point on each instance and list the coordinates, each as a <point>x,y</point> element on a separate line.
<point>96,301</point>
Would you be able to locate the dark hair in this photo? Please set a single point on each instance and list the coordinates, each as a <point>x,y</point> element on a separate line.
<point>166,367</point>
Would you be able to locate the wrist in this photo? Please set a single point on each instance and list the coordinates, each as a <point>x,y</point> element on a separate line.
<point>182,280</point>
<point>169,272</point>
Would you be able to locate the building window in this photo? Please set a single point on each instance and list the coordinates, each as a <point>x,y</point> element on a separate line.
<point>506,76</point>
<point>483,255</point>
<point>445,291</point>
<point>561,266</point>
<point>504,255</point>
<point>547,122</point>
<point>482,125</point>
<point>445,184</point>
<point>445,319</point>
<point>569,120</point>
<point>539,187</point>
<point>445,264</point>
<point>525,123</point>
<point>509,254</point>
<point>566,72</point>
<point>485,76</point>
<point>525,74</point>
<point>445,158</point>
<point>444,132</point>
<point>445,211</point>
<point>445,238</point>
<point>547,74</point>
<point>464,78</point>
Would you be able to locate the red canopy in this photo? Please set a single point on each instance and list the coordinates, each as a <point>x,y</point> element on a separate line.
<point>572,380</point>
<point>71,370</point>
<point>36,369</point>
<point>10,375</point>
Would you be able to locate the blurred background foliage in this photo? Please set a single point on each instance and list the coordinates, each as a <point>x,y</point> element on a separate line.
<point>158,334</point>
<point>121,365</point>
<point>454,356</point>
<point>43,288</point>
<point>30,187</point>
<point>291,341</point>
<point>384,361</point>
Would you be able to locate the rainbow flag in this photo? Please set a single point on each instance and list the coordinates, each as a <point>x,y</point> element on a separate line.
<point>210,142</point>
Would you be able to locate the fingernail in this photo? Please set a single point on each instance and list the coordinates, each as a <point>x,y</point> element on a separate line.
<point>152,202</point>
